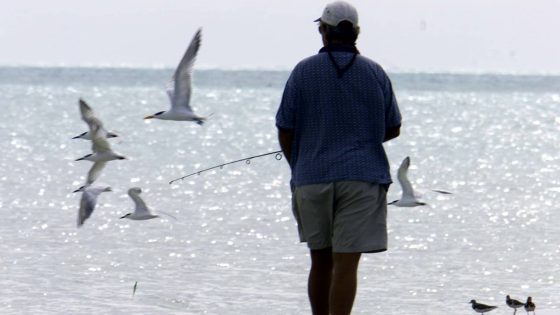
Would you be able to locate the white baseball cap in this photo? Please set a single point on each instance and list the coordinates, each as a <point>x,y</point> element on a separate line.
<point>337,12</point>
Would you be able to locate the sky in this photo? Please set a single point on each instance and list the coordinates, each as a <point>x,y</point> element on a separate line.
<point>497,36</point>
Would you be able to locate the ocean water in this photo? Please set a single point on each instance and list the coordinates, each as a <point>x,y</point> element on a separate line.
<point>493,140</point>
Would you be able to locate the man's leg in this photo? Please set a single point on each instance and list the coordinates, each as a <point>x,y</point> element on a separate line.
<point>319,283</point>
<point>344,282</point>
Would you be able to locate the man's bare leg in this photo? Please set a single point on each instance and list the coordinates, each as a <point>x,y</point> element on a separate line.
<point>344,282</point>
<point>319,283</point>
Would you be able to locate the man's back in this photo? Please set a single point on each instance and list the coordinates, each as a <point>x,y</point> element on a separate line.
<point>341,119</point>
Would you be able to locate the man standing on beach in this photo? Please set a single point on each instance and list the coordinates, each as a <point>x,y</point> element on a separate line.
<point>337,109</point>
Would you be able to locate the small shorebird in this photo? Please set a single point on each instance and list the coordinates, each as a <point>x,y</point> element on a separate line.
<point>481,308</point>
<point>530,306</point>
<point>515,304</point>
<point>88,201</point>
<point>141,211</point>
<point>180,88</point>
<point>408,197</point>
<point>89,118</point>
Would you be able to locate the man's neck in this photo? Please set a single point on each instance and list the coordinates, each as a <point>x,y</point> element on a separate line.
<point>340,42</point>
<point>340,47</point>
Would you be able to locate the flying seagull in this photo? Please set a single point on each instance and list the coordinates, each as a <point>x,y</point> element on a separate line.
<point>100,146</point>
<point>141,211</point>
<point>88,201</point>
<point>408,197</point>
<point>89,118</point>
<point>180,88</point>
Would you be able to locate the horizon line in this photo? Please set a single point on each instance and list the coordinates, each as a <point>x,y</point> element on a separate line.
<point>277,69</point>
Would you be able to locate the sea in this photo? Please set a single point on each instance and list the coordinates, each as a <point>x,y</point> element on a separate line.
<point>493,140</point>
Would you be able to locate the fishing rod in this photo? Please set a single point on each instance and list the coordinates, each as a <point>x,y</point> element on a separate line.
<point>278,156</point>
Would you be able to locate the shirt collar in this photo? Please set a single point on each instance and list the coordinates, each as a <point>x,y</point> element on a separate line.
<point>339,47</point>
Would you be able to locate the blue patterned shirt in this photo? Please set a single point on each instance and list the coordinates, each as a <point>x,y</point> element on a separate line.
<point>338,122</point>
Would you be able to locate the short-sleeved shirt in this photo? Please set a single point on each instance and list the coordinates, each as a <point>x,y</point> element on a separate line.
<point>338,122</point>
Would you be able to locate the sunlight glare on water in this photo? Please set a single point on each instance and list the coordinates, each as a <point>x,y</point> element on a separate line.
<point>492,141</point>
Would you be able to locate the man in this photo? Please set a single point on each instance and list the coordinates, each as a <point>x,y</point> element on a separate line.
<point>337,109</point>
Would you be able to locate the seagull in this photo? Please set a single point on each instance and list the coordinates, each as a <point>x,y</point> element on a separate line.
<point>180,87</point>
<point>515,304</point>
<point>408,198</point>
<point>93,174</point>
<point>481,308</point>
<point>141,211</point>
<point>89,117</point>
<point>530,306</point>
<point>88,201</point>
<point>101,148</point>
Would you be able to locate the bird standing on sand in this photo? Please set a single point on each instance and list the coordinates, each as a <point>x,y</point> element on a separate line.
<point>530,306</point>
<point>180,88</point>
<point>481,308</point>
<point>515,304</point>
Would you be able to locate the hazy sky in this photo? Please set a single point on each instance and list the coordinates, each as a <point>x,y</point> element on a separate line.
<point>402,35</point>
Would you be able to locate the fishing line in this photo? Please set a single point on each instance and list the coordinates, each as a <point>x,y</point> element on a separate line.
<point>278,156</point>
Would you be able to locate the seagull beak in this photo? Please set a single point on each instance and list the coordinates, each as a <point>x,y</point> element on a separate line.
<point>149,117</point>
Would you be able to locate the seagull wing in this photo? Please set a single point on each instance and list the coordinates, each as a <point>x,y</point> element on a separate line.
<point>170,89</point>
<point>183,76</point>
<point>402,176</point>
<point>87,204</point>
<point>139,204</point>
<point>94,172</point>
<point>87,112</point>
<point>99,139</point>
<point>88,116</point>
<point>90,119</point>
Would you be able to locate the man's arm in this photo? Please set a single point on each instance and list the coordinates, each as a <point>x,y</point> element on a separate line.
<point>285,138</point>
<point>392,133</point>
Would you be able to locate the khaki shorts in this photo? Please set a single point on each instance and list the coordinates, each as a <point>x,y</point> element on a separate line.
<point>349,216</point>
